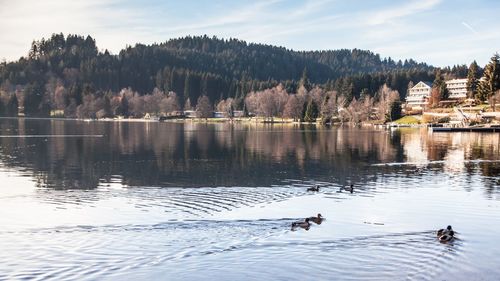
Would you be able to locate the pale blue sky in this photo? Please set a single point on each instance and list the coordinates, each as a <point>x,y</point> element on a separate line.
<point>439,32</point>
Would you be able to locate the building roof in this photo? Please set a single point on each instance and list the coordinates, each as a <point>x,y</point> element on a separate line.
<point>459,80</point>
<point>422,83</point>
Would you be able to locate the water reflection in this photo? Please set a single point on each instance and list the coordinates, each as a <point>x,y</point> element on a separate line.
<point>192,198</point>
<point>198,154</point>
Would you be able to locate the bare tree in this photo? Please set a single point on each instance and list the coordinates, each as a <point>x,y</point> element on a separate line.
<point>385,98</point>
<point>317,95</point>
<point>169,103</point>
<point>293,108</point>
<point>328,107</point>
<point>354,109</point>
<point>494,100</point>
<point>251,102</point>
<point>90,106</point>
<point>152,102</point>
<point>302,92</point>
<point>115,102</point>
<point>19,95</point>
<point>280,99</point>
<point>136,105</point>
<point>187,105</point>
<point>435,97</point>
<point>367,107</point>
<point>266,103</point>
<point>226,106</point>
<point>342,110</point>
<point>59,97</point>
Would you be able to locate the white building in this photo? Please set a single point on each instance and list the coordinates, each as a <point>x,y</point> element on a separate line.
<point>457,88</point>
<point>418,96</point>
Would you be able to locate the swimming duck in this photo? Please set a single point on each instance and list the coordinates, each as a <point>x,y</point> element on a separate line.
<point>317,220</point>
<point>444,231</point>
<point>314,189</point>
<point>348,188</point>
<point>303,224</point>
<point>447,236</point>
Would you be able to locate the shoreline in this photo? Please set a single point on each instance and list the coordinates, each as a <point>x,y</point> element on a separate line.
<point>266,121</point>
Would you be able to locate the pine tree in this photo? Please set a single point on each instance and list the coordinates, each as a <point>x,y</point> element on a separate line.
<point>187,86</point>
<point>33,95</point>
<point>107,106</point>
<point>472,79</point>
<point>311,112</point>
<point>491,82</point>
<point>124,107</point>
<point>304,81</point>
<point>347,90</point>
<point>3,111</point>
<point>440,85</point>
<point>395,110</point>
<point>12,107</point>
<point>410,85</point>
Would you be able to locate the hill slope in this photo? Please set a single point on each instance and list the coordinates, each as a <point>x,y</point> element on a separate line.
<point>194,66</point>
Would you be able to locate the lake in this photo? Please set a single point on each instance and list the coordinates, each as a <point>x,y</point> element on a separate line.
<point>193,201</point>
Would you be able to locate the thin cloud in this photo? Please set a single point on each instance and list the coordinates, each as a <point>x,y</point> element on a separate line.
<point>469,27</point>
<point>408,9</point>
<point>238,16</point>
<point>400,29</point>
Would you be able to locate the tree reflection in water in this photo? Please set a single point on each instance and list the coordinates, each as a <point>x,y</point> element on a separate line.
<point>199,154</point>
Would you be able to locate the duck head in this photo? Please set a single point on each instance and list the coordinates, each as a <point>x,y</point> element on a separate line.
<point>448,227</point>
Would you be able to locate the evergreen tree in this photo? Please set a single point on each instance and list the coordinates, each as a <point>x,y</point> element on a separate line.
<point>3,110</point>
<point>216,67</point>
<point>123,109</point>
<point>12,107</point>
<point>410,85</point>
<point>311,111</point>
<point>107,107</point>
<point>304,80</point>
<point>472,79</point>
<point>347,90</point>
<point>491,82</point>
<point>33,95</point>
<point>187,86</point>
<point>440,85</point>
<point>395,110</point>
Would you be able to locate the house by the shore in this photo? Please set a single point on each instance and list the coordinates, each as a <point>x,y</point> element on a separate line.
<point>457,89</point>
<point>418,95</point>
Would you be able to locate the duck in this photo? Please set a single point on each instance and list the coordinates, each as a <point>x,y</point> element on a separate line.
<point>303,224</point>
<point>313,189</point>
<point>447,236</point>
<point>444,231</point>
<point>317,220</point>
<point>348,188</point>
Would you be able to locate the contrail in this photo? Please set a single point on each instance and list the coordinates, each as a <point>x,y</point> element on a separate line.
<point>469,27</point>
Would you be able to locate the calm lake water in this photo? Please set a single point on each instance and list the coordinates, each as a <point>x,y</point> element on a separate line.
<point>181,201</point>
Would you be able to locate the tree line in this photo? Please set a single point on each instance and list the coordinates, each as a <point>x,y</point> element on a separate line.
<point>71,76</point>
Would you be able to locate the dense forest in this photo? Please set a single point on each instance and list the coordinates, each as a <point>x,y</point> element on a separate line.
<point>69,74</point>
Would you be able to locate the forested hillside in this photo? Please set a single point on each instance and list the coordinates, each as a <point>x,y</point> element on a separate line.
<point>61,72</point>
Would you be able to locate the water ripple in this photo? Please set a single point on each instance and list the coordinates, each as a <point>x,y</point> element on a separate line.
<point>107,250</point>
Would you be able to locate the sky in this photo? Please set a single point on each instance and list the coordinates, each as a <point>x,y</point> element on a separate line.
<point>438,32</point>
